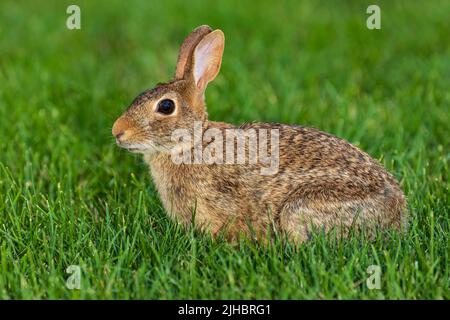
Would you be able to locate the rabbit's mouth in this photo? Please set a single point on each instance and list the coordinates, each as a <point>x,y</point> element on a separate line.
<point>135,150</point>
<point>131,148</point>
<point>138,146</point>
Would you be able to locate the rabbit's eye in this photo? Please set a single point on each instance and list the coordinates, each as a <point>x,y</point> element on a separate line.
<point>166,106</point>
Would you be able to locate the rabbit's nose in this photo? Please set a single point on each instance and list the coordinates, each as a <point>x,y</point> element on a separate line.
<point>118,135</point>
<point>119,129</point>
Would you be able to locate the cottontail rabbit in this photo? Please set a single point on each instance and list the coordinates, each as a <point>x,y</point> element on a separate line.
<point>319,181</point>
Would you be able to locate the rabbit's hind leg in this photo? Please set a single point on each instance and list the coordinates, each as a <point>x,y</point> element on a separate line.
<point>299,218</point>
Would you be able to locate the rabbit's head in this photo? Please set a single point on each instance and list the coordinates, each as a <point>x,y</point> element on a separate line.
<point>147,125</point>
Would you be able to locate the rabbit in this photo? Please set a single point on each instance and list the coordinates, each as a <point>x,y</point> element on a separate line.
<point>322,183</point>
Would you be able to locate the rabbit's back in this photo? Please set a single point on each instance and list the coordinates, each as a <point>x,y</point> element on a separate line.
<point>310,159</point>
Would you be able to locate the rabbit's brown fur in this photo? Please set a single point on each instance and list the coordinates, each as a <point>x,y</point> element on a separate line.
<point>322,182</point>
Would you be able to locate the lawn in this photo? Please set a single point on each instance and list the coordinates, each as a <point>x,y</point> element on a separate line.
<point>70,196</point>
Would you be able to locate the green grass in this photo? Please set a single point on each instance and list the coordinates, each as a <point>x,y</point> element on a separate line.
<point>69,196</point>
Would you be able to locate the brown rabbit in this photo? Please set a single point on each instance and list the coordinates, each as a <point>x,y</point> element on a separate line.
<point>321,181</point>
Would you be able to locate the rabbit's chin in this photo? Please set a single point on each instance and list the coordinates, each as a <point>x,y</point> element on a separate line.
<point>148,148</point>
<point>133,148</point>
<point>136,150</point>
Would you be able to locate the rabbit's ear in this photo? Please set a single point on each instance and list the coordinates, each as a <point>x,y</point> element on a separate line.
<point>207,58</point>
<point>187,48</point>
